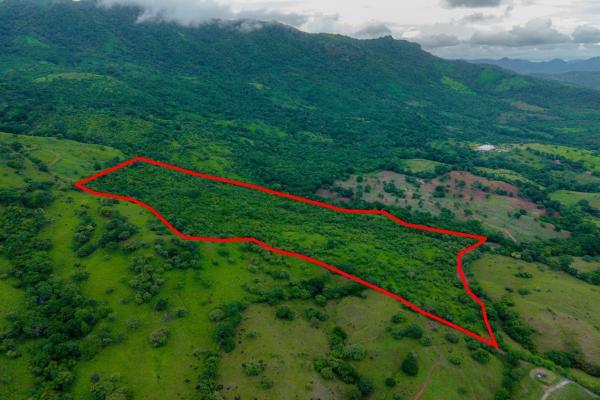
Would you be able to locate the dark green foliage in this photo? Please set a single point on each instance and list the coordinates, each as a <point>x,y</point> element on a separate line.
<point>398,318</point>
<point>253,368</point>
<point>226,325</point>
<point>410,364</point>
<point>110,388</point>
<point>512,323</point>
<point>285,313</point>
<point>159,337</point>
<point>117,230</point>
<point>413,331</point>
<point>451,337</point>
<point>147,280</point>
<point>313,314</point>
<point>207,385</point>
<point>57,316</point>
<point>525,275</point>
<point>481,356</point>
<point>161,304</point>
<point>354,352</point>
<point>365,386</point>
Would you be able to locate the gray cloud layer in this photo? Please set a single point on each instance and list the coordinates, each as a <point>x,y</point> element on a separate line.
<point>472,3</point>
<point>470,35</point>
<point>586,34</point>
<point>535,32</point>
<point>195,12</point>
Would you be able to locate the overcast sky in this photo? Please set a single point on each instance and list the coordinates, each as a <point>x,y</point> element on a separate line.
<point>532,29</point>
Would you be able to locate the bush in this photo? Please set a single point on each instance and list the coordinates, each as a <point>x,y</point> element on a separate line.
<point>451,338</point>
<point>390,382</point>
<point>266,383</point>
<point>159,337</point>
<point>285,313</point>
<point>414,331</point>
<point>481,356</point>
<point>161,305</point>
<point>253,368</point>
<point>365,386</point>
<point>410,365</point>
<point>454,360</point>
<point>398,318</point>
<point>354,352</point>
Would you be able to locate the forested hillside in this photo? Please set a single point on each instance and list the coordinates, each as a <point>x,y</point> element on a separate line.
<point>95,75</point>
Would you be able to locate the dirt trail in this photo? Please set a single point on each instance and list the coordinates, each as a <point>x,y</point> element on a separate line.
<point>56,158</point>
<point>553,388</point>
<point>427,381</point>
<point>564,382</point>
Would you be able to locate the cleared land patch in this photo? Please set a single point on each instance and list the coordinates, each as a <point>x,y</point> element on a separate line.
<point>495,203</point>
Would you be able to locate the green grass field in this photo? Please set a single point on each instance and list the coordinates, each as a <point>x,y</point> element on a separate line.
<point>570,198</point>
<point>590,159</point>
<point>561,308</point>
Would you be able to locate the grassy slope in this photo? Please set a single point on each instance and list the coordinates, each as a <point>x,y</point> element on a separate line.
<point>561,308</point>
<point>569,197</point>
<point>590,159</point>
<point>171,371</point>
<point>287,348</point>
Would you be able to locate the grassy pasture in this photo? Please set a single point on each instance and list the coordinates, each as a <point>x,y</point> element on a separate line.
<point>590,160</point>
<point>416,165</point>
<point>288,348</point>
<point>65,158</point>
<point>561,308</point>
<point>570,198</point>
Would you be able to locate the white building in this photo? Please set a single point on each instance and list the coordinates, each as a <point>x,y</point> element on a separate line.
<point>485,147</point>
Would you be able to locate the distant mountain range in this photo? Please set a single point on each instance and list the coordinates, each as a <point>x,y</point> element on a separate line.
<point>556,66</point>
<point>583,73</point>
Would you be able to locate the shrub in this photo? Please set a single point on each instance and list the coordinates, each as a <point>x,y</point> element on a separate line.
<point>159,337</point>
<point>410,365</point>
<point>285,313</point>
<point>365,386</point>
<point>390,382</point>
<point>454,360</point>
<point>481,356</point>
<point>397,332</point>
<point>354,352</point>
<point>451,338</point>
<point>161,305</point>
<point>313,314</point>
<point>266,383</point>
<point>253,368</point>
<point>398,318</point>
<point>414,331</point>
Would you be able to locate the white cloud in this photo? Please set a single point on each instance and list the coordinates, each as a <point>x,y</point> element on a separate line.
<point>372,31</point>
<point>193,12</point>
<point>445,27</point>
<point>535,32</point>
<point>473,3</point>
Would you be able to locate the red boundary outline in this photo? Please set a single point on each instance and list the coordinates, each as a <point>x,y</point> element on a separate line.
<point>480,239</point>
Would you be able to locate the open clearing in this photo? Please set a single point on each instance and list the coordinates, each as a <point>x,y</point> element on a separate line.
<point>561,308</point>
<point>495,203</point>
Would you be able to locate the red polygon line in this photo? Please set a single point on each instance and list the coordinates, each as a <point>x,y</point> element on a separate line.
<point>480,239</point>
